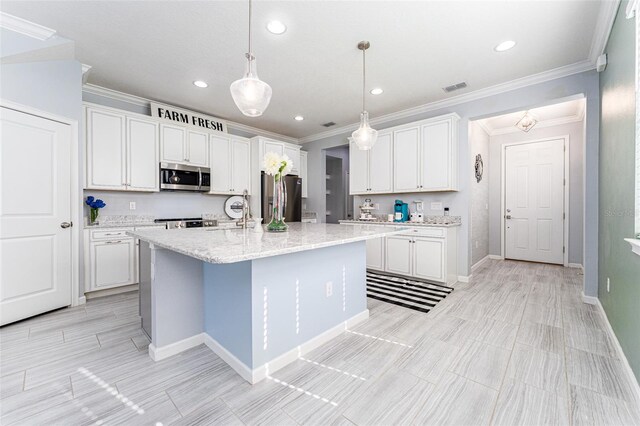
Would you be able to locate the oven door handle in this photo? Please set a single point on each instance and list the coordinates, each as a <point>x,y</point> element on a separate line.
<point>199,178</point>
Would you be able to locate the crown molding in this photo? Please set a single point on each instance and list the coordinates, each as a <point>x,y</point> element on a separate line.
<point>483,125</point>
<point>144,102</point>
<point>542,77</point>
<point>606,17</point>
<point>25,27</point>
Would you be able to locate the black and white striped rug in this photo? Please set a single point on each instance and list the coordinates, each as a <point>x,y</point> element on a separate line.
<point>406,292</point>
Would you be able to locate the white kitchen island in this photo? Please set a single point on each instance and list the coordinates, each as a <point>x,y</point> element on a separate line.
<point>258,300</point>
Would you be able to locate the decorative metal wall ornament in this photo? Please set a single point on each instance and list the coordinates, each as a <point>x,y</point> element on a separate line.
<point>479,168</point>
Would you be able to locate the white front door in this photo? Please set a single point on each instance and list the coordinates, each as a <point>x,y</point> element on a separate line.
<point>35,204</point>
<point>534,201</point>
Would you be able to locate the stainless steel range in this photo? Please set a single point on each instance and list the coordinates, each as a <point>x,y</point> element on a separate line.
<point>195,222</point>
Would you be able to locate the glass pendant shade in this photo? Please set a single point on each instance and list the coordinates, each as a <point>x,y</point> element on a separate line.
<point>365,137</point>
<point>251,95</point>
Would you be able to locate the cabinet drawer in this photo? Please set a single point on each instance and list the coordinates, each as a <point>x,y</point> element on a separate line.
<point>110,234</point>
<point>427,232</point>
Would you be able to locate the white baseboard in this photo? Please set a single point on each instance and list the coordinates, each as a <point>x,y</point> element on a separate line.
<point>575,265</point>
<point>464,278</point>
<point>496,257</point>
<point>160,353</point>
<point>257,374</point>
<point>479,263</point>
<point>111,291</point>
<point>81,301</point>
<point>621,355</point>
<point>590,299</point>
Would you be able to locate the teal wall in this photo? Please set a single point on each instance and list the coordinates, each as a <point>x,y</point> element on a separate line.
<point>617,176</point>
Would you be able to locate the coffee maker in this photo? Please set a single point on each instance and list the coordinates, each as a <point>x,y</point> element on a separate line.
<point>400,211</point>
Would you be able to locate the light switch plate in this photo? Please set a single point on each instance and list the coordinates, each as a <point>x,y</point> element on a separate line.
<point>132,205</point>
<point>436,205</point>
<point>329,288</point>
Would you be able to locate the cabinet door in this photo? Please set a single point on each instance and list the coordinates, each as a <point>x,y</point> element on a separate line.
<point>106,150</point>
<point>198,148</point>
<point>406,175</point>
<point>429,258</point>
<point>398,258</point>
<point>375,254</point>
<point>142,155</point>
<point>358,170</point>
<point>220,164</point>
<point>113,263</point>
<point>380,165</point>
<point>436,156</point>
<point>303,173</point>
<point>294,155</point>
<point>172,141</point>
<point>240,166</point>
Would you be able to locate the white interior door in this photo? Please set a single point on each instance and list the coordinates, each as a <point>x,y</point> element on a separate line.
<point>35,249</point>
<point>534,201</point>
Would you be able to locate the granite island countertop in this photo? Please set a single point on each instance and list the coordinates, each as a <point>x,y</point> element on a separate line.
<point>237,245</point>
<point>411,224</point>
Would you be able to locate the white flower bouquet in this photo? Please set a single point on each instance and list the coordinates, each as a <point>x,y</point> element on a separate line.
<point>277,165</point>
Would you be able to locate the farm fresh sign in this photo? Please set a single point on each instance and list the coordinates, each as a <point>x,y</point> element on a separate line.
<point>183,117</point>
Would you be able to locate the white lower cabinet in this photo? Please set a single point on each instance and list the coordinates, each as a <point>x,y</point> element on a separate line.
<point>111,258</point>
<point>426,253</point>
<point>375,253</point>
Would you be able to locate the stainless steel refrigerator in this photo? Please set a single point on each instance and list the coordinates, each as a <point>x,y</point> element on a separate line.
<point>293,205</point>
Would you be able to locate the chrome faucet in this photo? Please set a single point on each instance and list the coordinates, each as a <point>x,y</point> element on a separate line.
<point>246,210</point>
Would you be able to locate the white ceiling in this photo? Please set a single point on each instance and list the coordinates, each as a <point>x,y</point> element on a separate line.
<point>546,116</point>
<point>155,49</point>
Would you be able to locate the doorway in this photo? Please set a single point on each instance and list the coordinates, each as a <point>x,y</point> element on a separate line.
<point>534,190</point>
<point>339,204</point>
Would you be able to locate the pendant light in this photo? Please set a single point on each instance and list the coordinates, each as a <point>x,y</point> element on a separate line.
<point>251,95</point>
<point>365,137</point>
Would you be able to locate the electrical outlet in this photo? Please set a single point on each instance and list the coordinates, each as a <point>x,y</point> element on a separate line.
<point>329,289</point>
<point>486,206</point>
<point>132,205</point>
<point>437,205</point>
<point>608,285</point>
<point>477,244</point>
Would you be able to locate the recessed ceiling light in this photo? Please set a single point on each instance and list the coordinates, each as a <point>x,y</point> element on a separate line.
<point>298,118</point>
<point>376,91</point>
<point>200,83</point>
<point>505,45</point>
<point>276,27</point>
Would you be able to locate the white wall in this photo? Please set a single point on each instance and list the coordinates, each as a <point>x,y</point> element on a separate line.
<point>583,84</point>
<point>479,144</point>
<point>575,131</point>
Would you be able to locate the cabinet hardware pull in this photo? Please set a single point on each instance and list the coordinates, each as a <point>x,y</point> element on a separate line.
<point>113,242</point>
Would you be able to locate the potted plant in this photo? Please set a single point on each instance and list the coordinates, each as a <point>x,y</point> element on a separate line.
<point>94,207</point>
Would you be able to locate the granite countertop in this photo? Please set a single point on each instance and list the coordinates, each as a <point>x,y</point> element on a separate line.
<point>420,224</point>
<point>110,225</point>
<point>237,245</point>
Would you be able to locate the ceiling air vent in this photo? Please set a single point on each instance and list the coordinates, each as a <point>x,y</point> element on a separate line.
<point>329,124</point>
<point>453,87</point>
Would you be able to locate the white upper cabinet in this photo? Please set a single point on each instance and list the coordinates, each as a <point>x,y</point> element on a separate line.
<point>370,172</point>
<point>105,150</point>
<point>406,148</point>
<point>426,155</point>
<point>173,146</point>
<point>121,151</point>
<point>303,173</point>
<point>230,165</point>
<point>281,148</point>
<point>197,148</point>
<point>294,155</point>
<point>179,145</point>
<point>142,155</point>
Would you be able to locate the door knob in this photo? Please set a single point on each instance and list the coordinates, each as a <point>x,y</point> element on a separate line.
<point>508,216</point>
<point>66,225</point>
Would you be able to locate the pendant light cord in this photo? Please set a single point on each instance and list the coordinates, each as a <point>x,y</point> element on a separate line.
<point>250,52</point>
<point>364,76</point>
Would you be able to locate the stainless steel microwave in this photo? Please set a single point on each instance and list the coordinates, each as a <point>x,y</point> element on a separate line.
<point>181,177</point>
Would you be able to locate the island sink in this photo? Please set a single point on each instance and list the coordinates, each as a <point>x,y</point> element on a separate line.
<point>258,300</point>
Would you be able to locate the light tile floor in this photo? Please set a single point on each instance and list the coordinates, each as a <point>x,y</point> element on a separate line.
<point>514,346</point>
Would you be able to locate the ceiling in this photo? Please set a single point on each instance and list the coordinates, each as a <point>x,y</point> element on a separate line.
<point>156,49</point>
<point>546,116</point>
